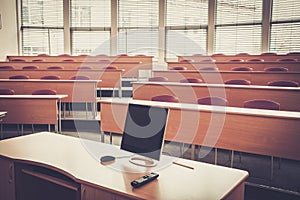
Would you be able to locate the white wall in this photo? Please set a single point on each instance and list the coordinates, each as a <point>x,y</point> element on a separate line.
<point>8,33</point>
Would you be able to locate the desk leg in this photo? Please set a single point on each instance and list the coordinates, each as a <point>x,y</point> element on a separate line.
<point>59,117</point>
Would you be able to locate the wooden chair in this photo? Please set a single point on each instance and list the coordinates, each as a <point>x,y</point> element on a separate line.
<point>38,60</point>
<point>186,61</point>
<point>214,101</point>
<point>178,68</point>
<point>44,92</point>
<point>158,79</point>
<point>68,60</point>
<point>242,69</point>
<point>268,54</point>
<point>237,82</point>
<point>50,77</point>
<point>287,60</point>
<point>84,68</point>
<point>7,92</point>
<point>165,98</point>
<point>7,68</point>
<point>30,68</point>
<point>276,69</point>
<point>283,83</point>
<point>80,78</point>
<point>208,69</point>
<point>18,60</point>
<point>191,80</point>
<point>19,77</point>
<point>236,60</point>
<point>262,104</point>
<point>43,54</point>
<point>255,60</point>
<point>55,68</point>
<point>109,68</point>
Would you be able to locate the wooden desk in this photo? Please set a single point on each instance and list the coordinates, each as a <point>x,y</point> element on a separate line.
<point>32,109</point>
<point>224,58</point>
<point>257,66</point>
<point>288,97</point>
<point>80,91</point>
<point>264,132</point>
<point>218,77</point>
<point>107,78</point>
<point>72,158</point>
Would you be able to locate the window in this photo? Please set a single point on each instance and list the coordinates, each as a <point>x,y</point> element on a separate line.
<point>285,26</point>
<point>238,26</point>
<point>138,27</point>
<point>90,25</point>
<point>186,25</point>
<point>42,27</point>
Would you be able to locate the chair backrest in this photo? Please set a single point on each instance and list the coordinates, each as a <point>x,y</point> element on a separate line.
<point>7,92</point>
<point>287,60</point>
<point>80,78</point>
<point>236,60</point>
<point>38,60</point>
<point>50,77</point>
<point>242,54</point>
<point>55,68</point>
<point>268,54</point>
<point>43,54</point>
<point>158,79</point>
<point>191,80</point>
<point>262,104</point>
<point>30,68</point>
<point>64,54</point>
<point>44,92</point>
<point>215,101</point>
<point>208,60</point>
<point>276,69</point>
<point>19,77</point>
<point>68,60</point>
<point>255,60</point>
<point>17,60</point>
<point>208,69</point>
<point>122,54</point>
<point>293,53</point>
<point>109,68</point>
<point>283,83</point>
<point>242,69</point>
<point>237,82</point>
<point>7,68</point>
<point>165,98</point>
<point>178,68</point>
<point>84,67</point>
<point>186,60</point>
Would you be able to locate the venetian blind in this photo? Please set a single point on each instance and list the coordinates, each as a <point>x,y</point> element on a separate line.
<point>285,26</point>
<point>238,26</point>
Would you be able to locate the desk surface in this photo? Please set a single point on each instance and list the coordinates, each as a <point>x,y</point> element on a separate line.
<point>60,96</point>
<point>208,108</point>
<point>72,156</point>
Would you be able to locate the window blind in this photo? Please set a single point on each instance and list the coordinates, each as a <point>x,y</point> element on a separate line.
<point>238,26</point>
<point>37,41</point>
<point>186,25</point>
<point>90,13</point>
<point>42,26</point>
<point>285,26</point>
<point>138,27</point>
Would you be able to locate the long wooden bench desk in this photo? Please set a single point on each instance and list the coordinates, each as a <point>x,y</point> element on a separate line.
<point>128,68</point>
<point>32,109</point>
<point>218,77</point>
<point>80,91</point>
<point>257,66</point>
<point>258,131</point>
<point>33,162</point>
<point>86,58</point>
<point>288,97</point>
<point>224,58</point>
<point>107,78</point>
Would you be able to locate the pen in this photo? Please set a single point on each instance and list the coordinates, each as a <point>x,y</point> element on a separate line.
<point>182,165</point>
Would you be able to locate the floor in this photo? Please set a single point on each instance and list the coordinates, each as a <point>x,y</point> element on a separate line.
<point>283,184</point>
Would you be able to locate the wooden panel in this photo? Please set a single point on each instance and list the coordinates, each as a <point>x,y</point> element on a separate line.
<point>189,93</point>
<point>77,91</point>
<point>257,66</point>
<point>107,79</point>
<point>258,134</point>
<point>256,78</point>
<point>29,111</point>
